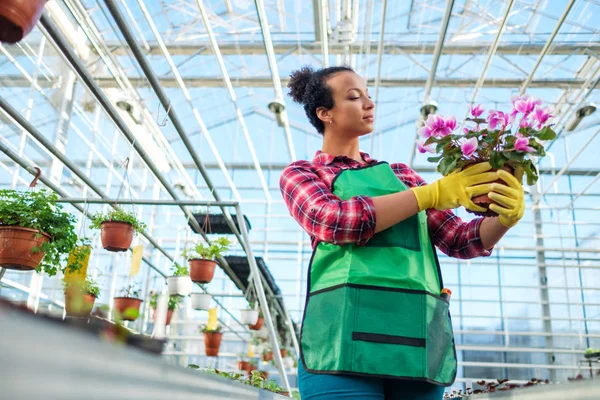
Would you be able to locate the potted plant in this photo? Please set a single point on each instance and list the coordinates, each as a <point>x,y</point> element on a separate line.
<point>34,232</point>
<point>128,305</point>
<point>117,228</point>
<point>259,322</point>
<point>252,366</point>
<point>243,364</point>
<point>201,301</point>
<point>506,140</point>
<point>179,283</point>
<point>267,355</point>
<point>173,301</point>
<point>202,259</point>
<point>212,340</point>
<point>80,297</point>
<point>249,316</point>
<point>283,351</point>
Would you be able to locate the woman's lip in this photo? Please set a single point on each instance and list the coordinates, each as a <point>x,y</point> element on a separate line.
<point>371,119</point>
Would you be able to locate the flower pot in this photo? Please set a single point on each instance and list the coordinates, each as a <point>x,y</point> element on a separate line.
<point>484,200</point>
<point>212,342</point>
<point>125,306</point>
<point>78,304</point>
<point>243,366</point>
<point>249,317</point>
<point>201,270</point>
<point>16,244</point>
<point>116,235</point>
<point>201,301</point>
<point>267,356</point>
<point>18,17</point>
<point>258,324</point>
<point>283,352</point>
<point>169,316</point>
<point>179,285</point>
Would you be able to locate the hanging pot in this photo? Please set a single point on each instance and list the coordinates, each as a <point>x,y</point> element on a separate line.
<point>249,317</point>
<point>16,247</point>
<point>78,304</point>
<point>18,17</point>
<point>267,356</point>
<point>169,316</point>
<point>258,325</point>
<point>179,285</point>
<point>243,366</point>
<point>283,352</point>
<point>201,301</point>
<point>128,307</point>
<point>116,235</point>
<point>202,270</point>
<point>484,200</point>
<point>212,342</point>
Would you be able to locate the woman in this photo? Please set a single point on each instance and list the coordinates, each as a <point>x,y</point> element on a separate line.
<point>375,324</point>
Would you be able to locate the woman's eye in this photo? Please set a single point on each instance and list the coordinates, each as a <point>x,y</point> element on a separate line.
<point>354,98</point>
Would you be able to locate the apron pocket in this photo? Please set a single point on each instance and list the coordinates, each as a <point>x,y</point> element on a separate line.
<point>390,339</point>
<point>441,361</point>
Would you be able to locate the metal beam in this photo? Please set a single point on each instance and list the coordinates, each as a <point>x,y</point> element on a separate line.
<point>260,82</point>
<point>438,51</point>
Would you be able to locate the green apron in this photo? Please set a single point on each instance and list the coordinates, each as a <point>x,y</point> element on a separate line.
<point>375,310</point>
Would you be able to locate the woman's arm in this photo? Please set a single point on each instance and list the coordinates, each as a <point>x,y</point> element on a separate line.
<point>491,231</point>
<point>393,208</point>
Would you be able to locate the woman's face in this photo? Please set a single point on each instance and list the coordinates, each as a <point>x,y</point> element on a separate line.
<point>353,111</point>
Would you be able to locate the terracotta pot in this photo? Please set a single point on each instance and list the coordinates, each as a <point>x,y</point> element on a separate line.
<point>123,304</point>
<point>283,352</point>
<point>78,304</point>
<point>264,374</point>
<point>202,271</point>
<point>484,200</point>
<point>169,316</point>
<point>257,325</point>
<point>18,17</point>
<point>243,366</point>
<point>267,356</point>
<point>251,368</point>
<point>212,342</point>
<point>16,244</point>
<point>116,235</point>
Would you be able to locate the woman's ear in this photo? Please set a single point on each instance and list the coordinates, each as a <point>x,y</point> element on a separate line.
<point>324,114</point>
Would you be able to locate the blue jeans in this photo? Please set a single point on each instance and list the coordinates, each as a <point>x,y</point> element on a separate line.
<point>321,387</point>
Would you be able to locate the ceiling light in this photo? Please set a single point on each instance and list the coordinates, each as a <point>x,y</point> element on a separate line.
<point>583,111</point>
<point>277,107</point>
<point>429,108</point>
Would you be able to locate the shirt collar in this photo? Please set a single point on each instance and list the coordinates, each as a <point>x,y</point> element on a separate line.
<point>326,159</point>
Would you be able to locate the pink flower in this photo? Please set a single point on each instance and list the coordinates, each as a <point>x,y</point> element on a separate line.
<point>541,116</point>
<point>469,146</point>
<point>497,119</point>
<point>525,104</point>
<point>435,126</point>
<point>422,148</point>
<point>476,128</point>
<point>477,111</point>
<point>525,122</point>
<point>450,124</point>
<point>522,144</point>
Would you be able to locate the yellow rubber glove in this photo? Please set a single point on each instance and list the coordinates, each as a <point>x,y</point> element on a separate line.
<point>510,199</point>
<point>456,189</point>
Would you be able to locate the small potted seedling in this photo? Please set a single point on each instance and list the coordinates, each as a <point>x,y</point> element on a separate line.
<point>267,355</point>
<point>179,283</point>
<point>252,366</point>
<point>202,259</point>
<point>117,228</point>
<point>243,363</point>
<point>173,301</point>
<point>201,301</point>
<point>212,339</point>
<point>249,316</point>
<point>80,297</point>
<point>127,306</point>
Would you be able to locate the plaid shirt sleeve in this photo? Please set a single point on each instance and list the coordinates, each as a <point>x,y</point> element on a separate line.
<point>323,215</point>
<point>449,233</point>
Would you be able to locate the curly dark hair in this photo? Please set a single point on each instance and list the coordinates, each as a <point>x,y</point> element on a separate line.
<point>309,88</point>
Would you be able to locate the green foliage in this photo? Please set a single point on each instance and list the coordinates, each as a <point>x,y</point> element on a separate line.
<point>256,379</point>
<point>88,286</point>
<point>193,366</point>
<point>132,290</point>
<point>592,350</point>
<point>206,251</point>
<point>39,210</point>
<point>120,215</point>
<point>206,329</point>
<point>179,270</point>
<point>173,301</point>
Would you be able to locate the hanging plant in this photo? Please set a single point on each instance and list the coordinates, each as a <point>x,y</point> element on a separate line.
<point>173,302</point>
<point>179,283</point>
<point>127,306</point>
<point>212,339</point>
<point>80,297</point>
<point>117,228</point>
<point>35,232</point>
<point>201,301</point>
<point>202,259</point>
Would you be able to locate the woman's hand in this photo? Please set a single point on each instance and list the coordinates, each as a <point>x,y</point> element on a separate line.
<point>457,189</point>
<point>510,199</point>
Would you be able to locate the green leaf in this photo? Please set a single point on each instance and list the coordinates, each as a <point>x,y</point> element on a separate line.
<point>546,133</point>
<point>498,159</point>
<point>434,159</point>
<point>514,156</point>
<point>448,165</point>
<point>531,172</point>
<point>430,140</point>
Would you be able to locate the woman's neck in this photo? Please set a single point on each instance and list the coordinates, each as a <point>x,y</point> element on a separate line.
<point>340,146</point>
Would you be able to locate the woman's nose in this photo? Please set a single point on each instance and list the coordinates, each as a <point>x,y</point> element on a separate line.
<point>369,104</point>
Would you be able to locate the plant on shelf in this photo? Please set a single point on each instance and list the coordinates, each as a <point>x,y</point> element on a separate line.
<point>173,302</point>
<point>243,363</point>
<point>179,283</point>
<point>127,306</point>
<point>117,228</point>
<point>267,354</point>
<point>35,232</point>
<point>259,320</point>
<point>80,296</point>
<point>506,140</point>
<point>202,258</point>
<point>591,352</point>
<point>212,339</point>
<point>493,386</point>
<point>201,301</point>
<point>249,316</point>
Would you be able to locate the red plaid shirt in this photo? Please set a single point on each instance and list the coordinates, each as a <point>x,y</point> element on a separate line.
<point>306,190</point>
